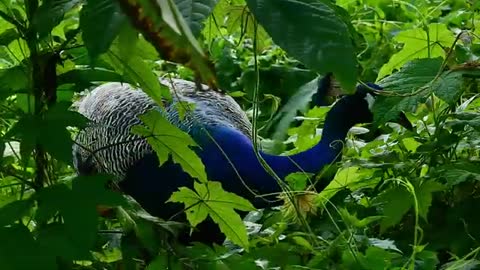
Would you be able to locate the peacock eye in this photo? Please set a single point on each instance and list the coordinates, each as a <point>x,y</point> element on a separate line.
<point>370,100</point>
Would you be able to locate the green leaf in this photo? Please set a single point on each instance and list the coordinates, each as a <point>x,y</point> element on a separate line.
<point>460,171</point>
<point>418,43</point>
<point>84,76</point>
<point>50,14</point>
<point>414,79</point>
<point>345,178</point>
<point>13,79</point>
<point>78,208</point>
<point>14,211</point>
<point>168,140</point>
<point>326,47</point>
<point>413,75</point>
<point>9,35</point>
<point>20,251</point>
<point>389,108</point>
<point>195,12</point>
<point>448,86</point>
<point>395,203</point>
<point>209,198</point>
<point>164,27</point>
<point>424,196</point>
<point>134,69</point>
<point>298,180</point>
<point>100,21</point>
<point>298,102</point>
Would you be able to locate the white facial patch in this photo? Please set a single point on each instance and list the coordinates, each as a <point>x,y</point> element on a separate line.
<point>370,100</point>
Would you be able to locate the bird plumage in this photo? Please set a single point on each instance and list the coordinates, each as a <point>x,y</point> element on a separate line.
<point>107,146</point>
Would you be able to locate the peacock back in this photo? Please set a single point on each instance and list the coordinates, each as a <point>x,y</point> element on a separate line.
<point>108,146</point>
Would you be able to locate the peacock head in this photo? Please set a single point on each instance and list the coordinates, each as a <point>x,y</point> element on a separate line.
<point>356,108</point>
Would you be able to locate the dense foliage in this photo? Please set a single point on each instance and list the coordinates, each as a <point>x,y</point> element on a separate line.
<point>399,199</point>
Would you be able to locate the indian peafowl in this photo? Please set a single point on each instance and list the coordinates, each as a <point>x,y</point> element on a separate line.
<point>113,108</point>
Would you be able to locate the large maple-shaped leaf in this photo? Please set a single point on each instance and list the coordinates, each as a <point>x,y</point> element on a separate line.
<point>209,199</point>
<point>168,140</point>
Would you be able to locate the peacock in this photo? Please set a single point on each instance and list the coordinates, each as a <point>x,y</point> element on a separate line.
<point>108,146</point>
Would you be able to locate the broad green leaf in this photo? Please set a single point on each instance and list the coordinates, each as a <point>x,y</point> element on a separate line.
<point>449,86</point>
<point>418,43</point>
<point>298,180</point>
<point>14,211</point>
<point>326,47</point>
<point>424,196</point>
<point>395,203</point>
<point>20,251</point>
<point>50,132</point>
<point>195,209</point>
<point>84,76</point>
<point>414,80</point>
<point>50,14</point>
<point>460,171</point>
<point>345,178</point>
<point>168,140</point>
<point>298,102</point>
<point>195,12</point>
<point>413,75</point>
<point>100,21</point>
<point>78,208</point>
<point>162,24</point>
<point>13,79</point>
<point>135,69</point>
<point>389,108</point>
<point>9,35</point>
<point>209,198</point>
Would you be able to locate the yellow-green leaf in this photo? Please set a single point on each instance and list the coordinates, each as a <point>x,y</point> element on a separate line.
<point>168,140</point>
<point>209,197</point>
<point>418,43</point>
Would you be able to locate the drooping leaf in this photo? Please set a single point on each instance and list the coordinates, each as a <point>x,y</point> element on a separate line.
<point>168,140</point>
<point>19,250</point>
<point>195,12</point>
<point>395,204</point>
<point>424,196</point>
<point>413,75</point>
<point>419,43</point>
<point>389,108</point>
<point>209,198</point>
<point>78,207</point>
<point>50,131</point>
<point>14,211</point>
<point>413,81</point>
<point>134,69</point>
<point>458,172</point>
<point>314,34</point>
<point>345,178</point>
<point>50,14</point>
<point>100,21</point>
<point>164,27</point>
<point>448,86</point>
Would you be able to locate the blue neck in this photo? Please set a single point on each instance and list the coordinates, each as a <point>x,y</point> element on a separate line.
<point>240,152</point>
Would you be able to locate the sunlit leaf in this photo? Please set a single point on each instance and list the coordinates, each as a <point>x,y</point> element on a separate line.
<point>418,43</point>
<point>209,198</point>
<point>168,140</point>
